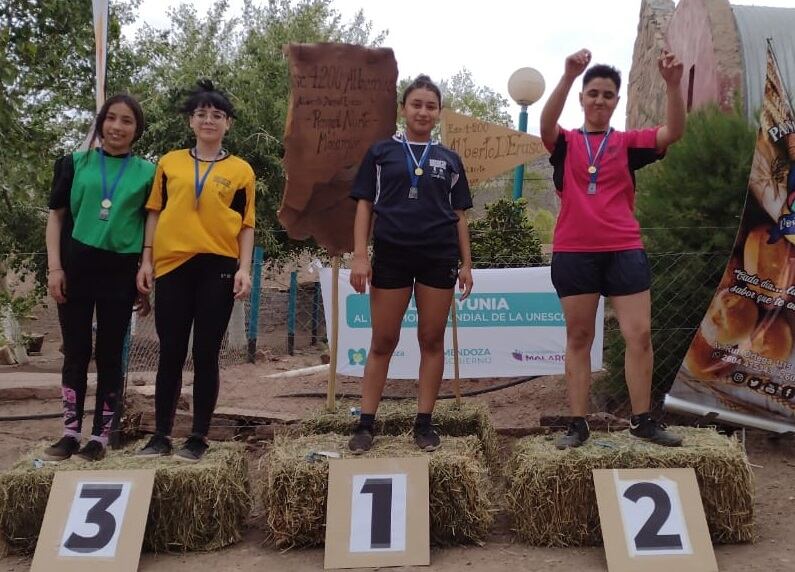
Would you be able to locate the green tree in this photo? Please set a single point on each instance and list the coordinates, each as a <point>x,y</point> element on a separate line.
<point>691,203</point>
<point>505,237</point>
<point>243,56</point>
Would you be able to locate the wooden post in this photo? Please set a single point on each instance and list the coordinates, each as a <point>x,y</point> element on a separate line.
<point>331,402</point>
<point>456,373</point>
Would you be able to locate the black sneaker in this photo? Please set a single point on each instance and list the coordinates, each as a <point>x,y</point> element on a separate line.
<point>646,428</point>
<point>361,441</point>
<point>62,450</point>
<point>192,450</point>
<point>426,438</point>
<point>91,451</point>
<point>577,434</point>
<point>158,446</point>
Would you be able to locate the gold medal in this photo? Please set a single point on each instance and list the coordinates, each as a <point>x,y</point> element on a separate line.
<point>592,169</point>
<point>106,204</point>
<point>418,171</point>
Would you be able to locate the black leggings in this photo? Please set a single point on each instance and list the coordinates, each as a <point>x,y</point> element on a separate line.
<point>197,293</point>
<point>112,292</point>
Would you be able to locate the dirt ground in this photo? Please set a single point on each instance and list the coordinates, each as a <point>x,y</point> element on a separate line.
<point>246,386</point>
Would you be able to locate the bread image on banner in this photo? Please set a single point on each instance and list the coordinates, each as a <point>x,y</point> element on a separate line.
<point>740,360</point>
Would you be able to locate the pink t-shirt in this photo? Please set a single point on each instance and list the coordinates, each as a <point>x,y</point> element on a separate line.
<point>604,221</point>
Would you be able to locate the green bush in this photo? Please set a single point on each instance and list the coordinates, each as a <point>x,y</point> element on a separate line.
<point>505,237</point>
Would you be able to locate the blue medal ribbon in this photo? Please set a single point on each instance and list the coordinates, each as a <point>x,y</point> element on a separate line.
<point>412,162</point>
<point>594,160</point>
<point>199,184</point>
<point>107,194</point>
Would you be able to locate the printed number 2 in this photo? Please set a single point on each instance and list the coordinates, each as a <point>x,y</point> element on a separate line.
<point>97,515</point>
<point>381,514</point>
<point>648,537</point>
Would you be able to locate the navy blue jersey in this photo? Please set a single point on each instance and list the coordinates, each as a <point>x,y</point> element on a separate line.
<point>426,223</point>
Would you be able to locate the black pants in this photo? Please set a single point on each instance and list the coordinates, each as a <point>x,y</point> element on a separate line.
<point>197,293</point>
<point>107,284</point>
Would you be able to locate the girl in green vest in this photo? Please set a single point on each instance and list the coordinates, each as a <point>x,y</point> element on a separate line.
<point>95,235</point>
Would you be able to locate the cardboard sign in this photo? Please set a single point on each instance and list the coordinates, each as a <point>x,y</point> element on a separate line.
<point>487,149</point>
<point>377,513</point>
<point>343,98</point>
<point>94,521</point>
<point>653,520</point>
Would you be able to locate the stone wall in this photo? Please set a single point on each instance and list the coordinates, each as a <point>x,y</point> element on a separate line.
<point>703,34</point>
<point>646,89</point>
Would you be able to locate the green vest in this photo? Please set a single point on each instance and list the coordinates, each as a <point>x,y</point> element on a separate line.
<point>123,231</point>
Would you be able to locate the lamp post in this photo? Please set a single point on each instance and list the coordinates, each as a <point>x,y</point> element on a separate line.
<point>525,86</point>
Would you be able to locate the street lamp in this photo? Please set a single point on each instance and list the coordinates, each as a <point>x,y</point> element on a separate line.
<point>525,86</point>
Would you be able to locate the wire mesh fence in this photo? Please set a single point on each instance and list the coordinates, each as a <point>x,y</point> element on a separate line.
<point>288,316</point>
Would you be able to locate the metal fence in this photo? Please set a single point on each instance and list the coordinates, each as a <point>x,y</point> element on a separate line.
<point>288,317</point>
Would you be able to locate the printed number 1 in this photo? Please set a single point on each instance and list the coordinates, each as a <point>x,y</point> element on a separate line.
<point>381,513</point>
<point>649,537</point>
<point>98,515</point>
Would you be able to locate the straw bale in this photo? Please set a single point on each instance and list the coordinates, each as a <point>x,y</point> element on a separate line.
<point>202,506</point>
<point>551,494</point>
<point>397,418</point>
<point>294,489</point>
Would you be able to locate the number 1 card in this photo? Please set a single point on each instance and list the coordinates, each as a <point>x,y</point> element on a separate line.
<point>377,513</point>
<point>653,520</point>
<point>93,520</point>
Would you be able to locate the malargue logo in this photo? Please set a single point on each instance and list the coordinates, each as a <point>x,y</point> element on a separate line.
<point>357,357</point>
<point>519,355</point>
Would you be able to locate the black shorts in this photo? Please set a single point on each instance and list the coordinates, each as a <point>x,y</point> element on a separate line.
<point>394,267</point>
<point>607,273</point>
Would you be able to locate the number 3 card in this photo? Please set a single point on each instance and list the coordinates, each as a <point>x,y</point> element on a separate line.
<point>653,520</point>
<point>94,519</point>
<point>377,513</point>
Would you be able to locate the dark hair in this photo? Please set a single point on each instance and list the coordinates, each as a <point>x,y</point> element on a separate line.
<point>206,95</point>
<point>422,81</point>
<point>130,102</point>
<point>605,71</point>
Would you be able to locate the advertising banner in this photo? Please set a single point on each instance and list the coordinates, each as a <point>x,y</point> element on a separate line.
<point>739,366</point>
<point>510,326</point>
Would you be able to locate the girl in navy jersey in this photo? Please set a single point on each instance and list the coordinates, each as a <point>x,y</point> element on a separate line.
<point>418,191</point>
<point>95,234</point>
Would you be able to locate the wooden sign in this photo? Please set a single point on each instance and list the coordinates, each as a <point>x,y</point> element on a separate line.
<point>653,520</point>
<point>94,521</point>
<point>343,98</point>
<point>377,513</point>
<point>487,149</point>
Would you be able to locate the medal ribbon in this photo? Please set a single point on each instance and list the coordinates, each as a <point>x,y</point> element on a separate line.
<point>593,161</point>
<point>411,160</point>
<point>199,184</point>
<point>108,194</point>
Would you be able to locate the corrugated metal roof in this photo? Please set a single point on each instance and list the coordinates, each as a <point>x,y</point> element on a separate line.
<point>755,24</point>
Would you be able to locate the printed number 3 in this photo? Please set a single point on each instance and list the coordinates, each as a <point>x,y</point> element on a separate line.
<point>381,513</point>
<point>648,537</point>
<point>98,515</point>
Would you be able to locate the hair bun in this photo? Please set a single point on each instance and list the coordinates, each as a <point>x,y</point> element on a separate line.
<point>206,84</point>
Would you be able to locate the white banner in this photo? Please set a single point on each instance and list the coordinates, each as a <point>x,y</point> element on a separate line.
<point>510,326</point>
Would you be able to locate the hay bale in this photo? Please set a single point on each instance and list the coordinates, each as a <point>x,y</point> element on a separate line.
<point>294,489</point>
<point>397,418</point>
<point>202,506</point>
<point>551,494</point>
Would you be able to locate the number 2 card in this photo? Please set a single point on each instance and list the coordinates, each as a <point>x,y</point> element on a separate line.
<point>93,520</point>
<point>378,513</point>
<point>653,520</point>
